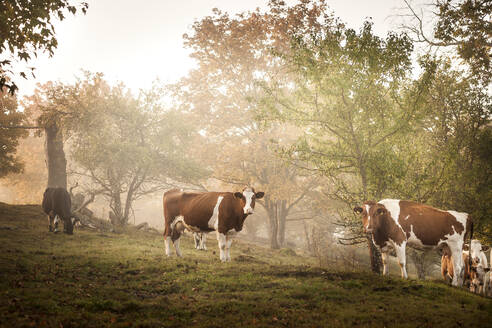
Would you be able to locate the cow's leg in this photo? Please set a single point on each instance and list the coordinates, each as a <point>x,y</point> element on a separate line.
<point>51,217</point>
<point>67,226</point>
<point>384,256</point>
<point>196,238</point>
<point>178,229</point>
<point>485,283</point>
<point>167,241</point>
<point>221,238</point>
<point>202,242</point>
<point>458,265</point>
<point>167,238</point>
<point>402,260</point>
<point>176,247</point>
<point>228,248</point>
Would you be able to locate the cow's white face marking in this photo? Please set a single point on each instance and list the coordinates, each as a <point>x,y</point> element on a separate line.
<point>213,222</point>
<point>248,194</point>
<point>477,255</point>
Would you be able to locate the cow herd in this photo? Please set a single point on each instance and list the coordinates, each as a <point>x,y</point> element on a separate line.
<point>392,225</point>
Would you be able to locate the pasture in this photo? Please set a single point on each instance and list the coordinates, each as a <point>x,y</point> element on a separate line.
<point>124,279</point>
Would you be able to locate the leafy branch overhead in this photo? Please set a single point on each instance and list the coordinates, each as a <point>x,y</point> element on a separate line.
<point>27,29</point>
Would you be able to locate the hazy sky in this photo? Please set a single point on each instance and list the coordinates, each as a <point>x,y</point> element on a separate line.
<point>138,41</point>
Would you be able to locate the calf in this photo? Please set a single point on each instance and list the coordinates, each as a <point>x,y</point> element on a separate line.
<point>223,212</point>
<point>479,267</point>
<point>57,204</point>
<point>447,267</point>
<point>395,223</point>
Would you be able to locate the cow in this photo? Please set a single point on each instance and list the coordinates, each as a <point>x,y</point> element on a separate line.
<point>57,205</point>
<point>479,266</point>
<point>223,212</point>
<point>394,223</point>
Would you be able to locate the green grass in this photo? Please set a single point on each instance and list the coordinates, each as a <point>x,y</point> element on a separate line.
<point>125,280</point>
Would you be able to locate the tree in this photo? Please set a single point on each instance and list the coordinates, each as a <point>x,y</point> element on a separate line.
<point>232,55</point>
<point>352,98</point>
<point>26,29</point>
<point>27,187</point>
<point>49,116</point>
<point>463,24</point>
<point>125,147</point>
<point>10,120</point>
<point>256,163</point>
<point>448,164</point>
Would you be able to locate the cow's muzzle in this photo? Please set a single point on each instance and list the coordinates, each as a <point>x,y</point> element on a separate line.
<point>248,211</point>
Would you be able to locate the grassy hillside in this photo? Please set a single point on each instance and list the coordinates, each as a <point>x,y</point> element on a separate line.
<point>125,280</point>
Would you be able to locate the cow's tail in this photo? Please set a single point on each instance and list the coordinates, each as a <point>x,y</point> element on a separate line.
<point>471,237</point>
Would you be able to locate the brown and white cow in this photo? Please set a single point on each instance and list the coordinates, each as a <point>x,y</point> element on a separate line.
<point>397,223</point>
<point>223,212</point>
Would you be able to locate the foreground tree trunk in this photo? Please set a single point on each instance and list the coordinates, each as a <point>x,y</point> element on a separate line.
<point>55,156</point>
<point>375,256</point>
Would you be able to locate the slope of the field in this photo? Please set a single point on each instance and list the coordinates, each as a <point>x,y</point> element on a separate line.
<point>125,280</point>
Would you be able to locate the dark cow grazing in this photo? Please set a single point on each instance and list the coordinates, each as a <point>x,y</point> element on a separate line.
<point>223,212</point>
<point>57,204</point>
<point>396,223</point>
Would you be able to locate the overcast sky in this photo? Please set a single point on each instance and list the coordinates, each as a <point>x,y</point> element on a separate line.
<point>138,41</point>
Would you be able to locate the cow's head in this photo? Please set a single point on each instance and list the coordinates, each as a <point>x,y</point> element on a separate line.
<point>247,198</point>
<point>372,215</point>
<point>476,249</point>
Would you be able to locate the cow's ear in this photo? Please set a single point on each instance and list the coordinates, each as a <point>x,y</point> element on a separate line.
<point>381,211</point>
<point>466,247</point>
<point>238,194</point>
<point>358,209</point>
<point>487,269</point>
<point>485,248</point>
<point>259,195</point>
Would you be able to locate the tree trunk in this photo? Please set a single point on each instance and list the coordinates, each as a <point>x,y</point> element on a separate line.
<point>55,157</point>
<point>282,220</point>
<point>117,209</point>
<point>271,208</point>
<point>375,256</point>
<point>273,234</point>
